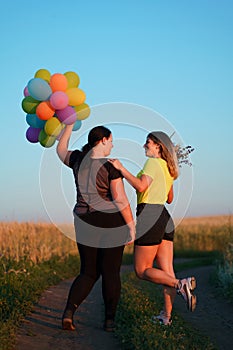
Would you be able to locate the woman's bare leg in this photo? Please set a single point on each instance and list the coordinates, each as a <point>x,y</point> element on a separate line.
<point>164,260</point>
<point>144,257</point>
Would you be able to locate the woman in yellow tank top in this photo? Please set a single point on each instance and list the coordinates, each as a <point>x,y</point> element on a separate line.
<point>155,228</point>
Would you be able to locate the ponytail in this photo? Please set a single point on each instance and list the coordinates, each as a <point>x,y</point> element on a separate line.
<point>85,149</point>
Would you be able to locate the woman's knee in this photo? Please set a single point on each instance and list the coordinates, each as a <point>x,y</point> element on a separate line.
<point>91,275</point>
<point>139,272</point>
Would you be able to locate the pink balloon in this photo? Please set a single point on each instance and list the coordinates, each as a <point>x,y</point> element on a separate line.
<point>26,92</point>
<point>67,115</point>
<point>59,100</point>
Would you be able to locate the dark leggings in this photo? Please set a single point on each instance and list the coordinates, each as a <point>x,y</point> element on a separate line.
<point>95,262</point>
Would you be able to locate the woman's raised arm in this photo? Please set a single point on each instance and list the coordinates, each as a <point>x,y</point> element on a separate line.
<point>63,143</point>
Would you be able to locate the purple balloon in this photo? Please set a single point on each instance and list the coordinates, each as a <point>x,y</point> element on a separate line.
<point>32,134</point>
<point>26,92</point>
<point>67,115</point>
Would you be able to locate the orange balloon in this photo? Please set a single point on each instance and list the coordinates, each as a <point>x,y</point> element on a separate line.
<point>44,110</point>
<point>76,96</point>
<point>58,82</point>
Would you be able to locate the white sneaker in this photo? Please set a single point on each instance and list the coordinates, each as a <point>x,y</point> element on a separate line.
<point>162,319</point>
<point>187,285</point>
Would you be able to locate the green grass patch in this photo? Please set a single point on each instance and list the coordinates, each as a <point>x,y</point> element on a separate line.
<point>139,301</point>
<point>215,254</point>
<point>127,259</point>
<point>192,263</point>
<point>21,285</point>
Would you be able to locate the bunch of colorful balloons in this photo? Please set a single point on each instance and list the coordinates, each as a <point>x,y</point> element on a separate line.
<point>51,102</point>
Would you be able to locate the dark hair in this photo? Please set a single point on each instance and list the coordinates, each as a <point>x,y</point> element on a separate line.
<point>95,135</point>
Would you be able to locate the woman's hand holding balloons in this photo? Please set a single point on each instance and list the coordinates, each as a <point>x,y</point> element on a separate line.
<point>51,102</point>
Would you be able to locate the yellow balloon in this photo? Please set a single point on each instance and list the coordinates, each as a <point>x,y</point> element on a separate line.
<point>83,111</point>
<point>53,127</point>
<point>43,74</point>
<point>76,96</point>
<point>73,79</point>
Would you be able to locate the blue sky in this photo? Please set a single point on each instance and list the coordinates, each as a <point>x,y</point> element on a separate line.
<point>171,57</point>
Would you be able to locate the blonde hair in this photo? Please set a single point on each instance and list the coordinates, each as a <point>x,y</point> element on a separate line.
<point>167,151</point>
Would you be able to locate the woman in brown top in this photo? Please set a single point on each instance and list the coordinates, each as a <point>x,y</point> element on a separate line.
<point>103,221</point>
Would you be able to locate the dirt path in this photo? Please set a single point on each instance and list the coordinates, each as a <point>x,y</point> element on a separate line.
<point>42,329</point>
<point>213,315</point>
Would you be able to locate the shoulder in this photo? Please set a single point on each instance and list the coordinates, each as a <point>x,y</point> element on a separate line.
<point>112,171</point>
<point>152,166</point>
<point>155,162</point>
<point>151,162</point>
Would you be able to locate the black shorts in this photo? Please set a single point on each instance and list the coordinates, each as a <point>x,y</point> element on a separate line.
<point>154,224</point>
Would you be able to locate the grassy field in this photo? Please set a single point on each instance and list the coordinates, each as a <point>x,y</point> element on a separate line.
<point>139,301</point>
<point>204,234</point>
<point>36,242</point>
<point>34,256</point>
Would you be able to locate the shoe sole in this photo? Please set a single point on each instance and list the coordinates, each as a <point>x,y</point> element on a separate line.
<point>193,302</point>
<point>193,283</point>
<point>192,299</point>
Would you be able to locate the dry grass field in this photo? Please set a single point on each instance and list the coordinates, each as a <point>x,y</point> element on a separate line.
<point>204,233</point>
<point>213,221</point>
<point>33,241</point>
<point>40,241</point>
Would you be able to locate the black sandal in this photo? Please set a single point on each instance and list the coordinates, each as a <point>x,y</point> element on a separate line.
<point>109,326</point>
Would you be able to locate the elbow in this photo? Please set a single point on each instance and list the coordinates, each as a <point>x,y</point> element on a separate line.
<point>169,199</point>
<point>59,148</point>
<point>141,188</point>
<point>119,203</point>
<point>61,153</point>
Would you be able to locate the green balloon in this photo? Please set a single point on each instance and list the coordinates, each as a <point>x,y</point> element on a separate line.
<point>29,105</point>
<point>46,140</point>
